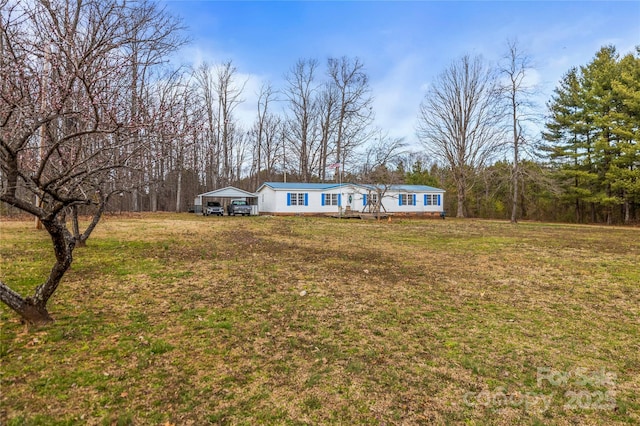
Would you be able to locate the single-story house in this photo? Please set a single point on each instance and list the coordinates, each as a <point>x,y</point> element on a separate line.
<point>224,196</point>
<point>294,198</point>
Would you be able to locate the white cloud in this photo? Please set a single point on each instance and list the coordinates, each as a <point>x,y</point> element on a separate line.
<point>246,112</point>
<point>532,78</point>
<point>250,84</point>
<point>397,96</point>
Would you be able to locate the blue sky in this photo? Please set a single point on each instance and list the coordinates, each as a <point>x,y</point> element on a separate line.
<point>403,44</point>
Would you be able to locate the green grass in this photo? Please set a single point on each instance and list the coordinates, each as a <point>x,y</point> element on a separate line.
<point>182,319</point>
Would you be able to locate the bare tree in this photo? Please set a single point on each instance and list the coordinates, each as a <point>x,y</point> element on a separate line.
<point>460,120</point>
<point>241,151</point>
<point>517,92</point>
<point>328,110</point>
<point>64,133</point>
<point>204,80</point>
<point>272,145</point>
<point>376,162</point>
<point>149,44</point>
<point>177,130</point>
<point>302,126</point>
<point>159,106</point>
<point>229,94</point>
<point>260,131</point>
<point>354,111</point>
<point>220,93</point>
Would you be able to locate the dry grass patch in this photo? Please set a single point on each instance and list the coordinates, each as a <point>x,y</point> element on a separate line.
<point>193,320</point>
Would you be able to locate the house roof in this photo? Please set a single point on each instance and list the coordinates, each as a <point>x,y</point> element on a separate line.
<point>332,185</point>
<point>300,185</point>
<point>229,192</point>
<point>410,188</point>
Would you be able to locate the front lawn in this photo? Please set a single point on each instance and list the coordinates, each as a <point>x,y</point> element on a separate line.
<point>184,319</point>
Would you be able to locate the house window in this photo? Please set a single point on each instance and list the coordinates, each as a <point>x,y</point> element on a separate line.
<point>371,199</point>
<point>297,199</point>
<point>432,199</point>
<point>330,199</point>
<point>407,199</point>
<point>428,200</point>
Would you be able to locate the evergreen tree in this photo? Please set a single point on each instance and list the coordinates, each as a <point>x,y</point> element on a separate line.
<point>420,176</point>
<point>570,148</point>
<point>624,172</point>
<point>601,107</point>
<point>592,134</point>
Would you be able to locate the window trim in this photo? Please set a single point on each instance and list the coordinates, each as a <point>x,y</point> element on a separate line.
<point>297,196</point>
<point>409,198</point>
<point>333,198</point>
<point>432,199</point>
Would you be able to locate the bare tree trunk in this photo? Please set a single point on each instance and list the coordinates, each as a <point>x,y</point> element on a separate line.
<point>33,309</point>
<point>459,178</point>
<point>179,170</point>
<point>461,200</point>
<point>94,222</point>
<point>578,215</point>
<point>523,202</point>
<point>179,192</point>
<point>153,197</point>
<point>81,238</point>
<point>516,159</point>
<point>515,172</point>
<point>75,226</point>
<point>26,308</point>
<point>515,90</point>
<point>135,206</point>
<point>627,210</point>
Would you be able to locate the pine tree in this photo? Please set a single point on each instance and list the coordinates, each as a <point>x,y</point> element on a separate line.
<point>624,173</point>
<point>570,140</point>
<point>601,107</point>
<point>593,133</point>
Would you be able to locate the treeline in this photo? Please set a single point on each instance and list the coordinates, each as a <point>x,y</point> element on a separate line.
<point>592,137</point>
<point>200,143</point>
<point>89,123</point>
<point>583,168</point>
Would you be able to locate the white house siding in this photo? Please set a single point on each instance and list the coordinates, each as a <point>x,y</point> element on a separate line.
<point>275,198</point>
<point>416,197</point>
<point>267,201</point>
<point>279,202</point>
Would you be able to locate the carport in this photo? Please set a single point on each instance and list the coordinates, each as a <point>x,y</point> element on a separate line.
<point>224,196</point>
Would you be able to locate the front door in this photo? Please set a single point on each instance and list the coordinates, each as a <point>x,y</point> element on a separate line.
<point>350,205</point>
